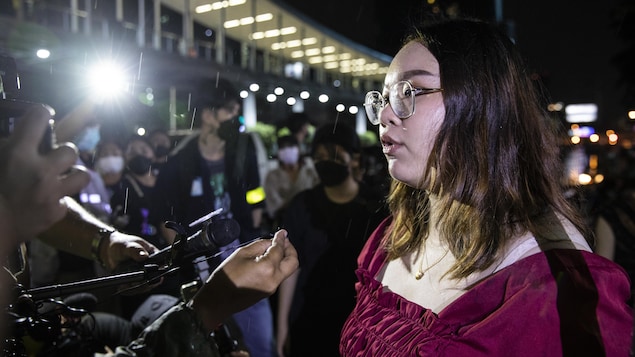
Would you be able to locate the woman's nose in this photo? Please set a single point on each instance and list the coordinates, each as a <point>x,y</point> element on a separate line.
<point>388,117</point>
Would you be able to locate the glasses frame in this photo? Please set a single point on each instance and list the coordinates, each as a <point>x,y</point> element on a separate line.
<point>371,106</point>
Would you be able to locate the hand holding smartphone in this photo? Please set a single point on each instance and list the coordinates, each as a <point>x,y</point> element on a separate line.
<point>11,112</point>
<point>35,173</point>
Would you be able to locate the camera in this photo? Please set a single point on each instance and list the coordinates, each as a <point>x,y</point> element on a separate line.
<point>11,110</point>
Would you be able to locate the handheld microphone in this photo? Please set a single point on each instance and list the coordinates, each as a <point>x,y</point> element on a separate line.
<point>211,238</point>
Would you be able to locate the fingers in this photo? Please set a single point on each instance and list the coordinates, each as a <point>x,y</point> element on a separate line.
<point>261,247</point>
<point>63,157</point>
<point>278,251</point>
<point>289,262</point>
<point>30,128</point>
<point>71,178</point>
<point>73,181</point>
<point>136,251</point>
<point>148,247</point>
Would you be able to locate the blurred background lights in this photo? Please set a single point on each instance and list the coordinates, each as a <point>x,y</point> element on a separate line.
<point>43,53</point>
<point>585,179</point>
<point>353,109</point>
<point>244,94</point>
<point>271,97</point>
<point>254,87</point>
<point>631,114</point>
<point>581,113</point>
<point>323,98</point>
<point>613,139</point>
<point>278,91</point>
<point>305,94</point>
<point>291,101</point>
<point>555,107</point>
<point>598,178</point>
<point>340,107</point>
<point>141,131</point>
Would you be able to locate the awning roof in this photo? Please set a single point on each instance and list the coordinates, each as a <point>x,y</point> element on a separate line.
<point>274,27</point>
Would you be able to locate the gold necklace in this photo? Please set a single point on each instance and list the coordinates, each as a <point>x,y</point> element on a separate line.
<point>420,273</point>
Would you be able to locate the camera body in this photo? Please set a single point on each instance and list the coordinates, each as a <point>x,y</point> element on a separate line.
<point>11,110</point>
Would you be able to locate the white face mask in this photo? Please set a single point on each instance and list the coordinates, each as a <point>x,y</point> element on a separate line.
<point>109,164</point>
<point>289,155</point>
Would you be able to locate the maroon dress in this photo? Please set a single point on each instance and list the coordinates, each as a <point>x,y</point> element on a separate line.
<point>521,310</point>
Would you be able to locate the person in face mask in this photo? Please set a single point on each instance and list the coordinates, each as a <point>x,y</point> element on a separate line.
<point>328,225</point>
<point>162,145</point>
<point>293,175</point>
<point>109,163</point>
<point>131,204</point>
<point>216,167</point>
<point>86,141</point>
<point>131,201</point>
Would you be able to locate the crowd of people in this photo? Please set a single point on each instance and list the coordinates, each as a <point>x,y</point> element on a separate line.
<point>467,246</point>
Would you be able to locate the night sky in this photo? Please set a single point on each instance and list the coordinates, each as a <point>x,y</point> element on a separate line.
<point>568,43</point>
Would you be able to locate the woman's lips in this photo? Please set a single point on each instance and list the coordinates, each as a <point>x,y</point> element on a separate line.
<point>389,146</point>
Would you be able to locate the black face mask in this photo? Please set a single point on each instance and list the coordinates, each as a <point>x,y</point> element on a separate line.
<point>331,173</point>
<point>229,130</point>
<point>140,165</point>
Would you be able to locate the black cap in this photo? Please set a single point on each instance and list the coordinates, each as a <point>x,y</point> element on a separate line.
<point>296,121</point>
<point>215,93</point>
<point>337,133</point>
<point>287,140</point>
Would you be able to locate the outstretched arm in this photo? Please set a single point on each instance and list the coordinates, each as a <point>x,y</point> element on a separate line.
<point>250,274</point>
<point>83,234</point>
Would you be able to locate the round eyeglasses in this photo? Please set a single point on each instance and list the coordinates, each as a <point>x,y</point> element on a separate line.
<point>401,97</point>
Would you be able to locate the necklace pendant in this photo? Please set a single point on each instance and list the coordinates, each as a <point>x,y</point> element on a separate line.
<point>419,275</point>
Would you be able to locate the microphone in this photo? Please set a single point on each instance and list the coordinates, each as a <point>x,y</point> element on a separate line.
<point>211,238</point>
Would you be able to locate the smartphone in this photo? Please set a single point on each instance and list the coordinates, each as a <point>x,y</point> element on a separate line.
<point>11,111</point>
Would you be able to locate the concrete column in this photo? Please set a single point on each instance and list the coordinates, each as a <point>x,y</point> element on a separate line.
<point>172,108</point>
<point>74,20</point>
<point>250,110</point>
<point>119,10</point>
<point>361,121</point>
<point>88,21</point>
<point>156,26</point>
<point>141,24</point>
<point>220,38</point>
<point>187,43</point>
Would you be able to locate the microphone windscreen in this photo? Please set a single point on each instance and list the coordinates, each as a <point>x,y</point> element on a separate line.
<point>221,232</point>
<point>84,301</point>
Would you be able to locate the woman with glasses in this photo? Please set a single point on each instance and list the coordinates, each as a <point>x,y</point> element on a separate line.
<point>482,254</point>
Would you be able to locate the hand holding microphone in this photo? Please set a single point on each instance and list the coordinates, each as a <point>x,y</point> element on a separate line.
<point>214,235</point>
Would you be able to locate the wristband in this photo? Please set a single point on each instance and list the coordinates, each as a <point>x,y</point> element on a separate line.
<point>96,244</point>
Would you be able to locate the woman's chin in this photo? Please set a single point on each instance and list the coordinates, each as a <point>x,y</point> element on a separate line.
<point>402,175</point>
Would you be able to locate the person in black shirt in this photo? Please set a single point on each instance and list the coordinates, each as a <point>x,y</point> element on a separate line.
<point>328,225</point>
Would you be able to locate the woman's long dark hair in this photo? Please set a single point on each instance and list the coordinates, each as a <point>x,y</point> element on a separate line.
<point>495,163</point>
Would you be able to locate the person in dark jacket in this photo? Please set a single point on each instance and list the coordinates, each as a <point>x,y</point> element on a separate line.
<point>216,170</point>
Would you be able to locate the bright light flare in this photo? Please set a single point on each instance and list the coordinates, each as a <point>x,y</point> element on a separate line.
<point>107,80</point>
